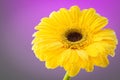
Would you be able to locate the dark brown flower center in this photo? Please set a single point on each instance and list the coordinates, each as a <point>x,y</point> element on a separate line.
<point>74,36</point>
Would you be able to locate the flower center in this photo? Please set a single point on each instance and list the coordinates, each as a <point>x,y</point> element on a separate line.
<point>74,36</point>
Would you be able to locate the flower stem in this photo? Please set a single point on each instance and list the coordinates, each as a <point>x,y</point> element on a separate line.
<point>66,77</point>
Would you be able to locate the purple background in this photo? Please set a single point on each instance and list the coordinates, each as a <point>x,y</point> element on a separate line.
<point>17,21</point>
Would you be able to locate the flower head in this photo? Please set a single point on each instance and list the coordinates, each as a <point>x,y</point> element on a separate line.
<point>74,39</point>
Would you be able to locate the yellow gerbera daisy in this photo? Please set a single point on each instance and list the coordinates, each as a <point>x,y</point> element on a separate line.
<point>74,39</point>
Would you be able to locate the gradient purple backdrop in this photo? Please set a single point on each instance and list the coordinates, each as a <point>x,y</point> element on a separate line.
<point>17,21</point>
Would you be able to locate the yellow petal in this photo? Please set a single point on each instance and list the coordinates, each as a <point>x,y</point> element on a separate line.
<point>75,14</point>
<point>101,61</point>
<point>86,19</point>
<point>64,16</point>
<point>91,21</point>
<point>57,52</point>
<point>52,63</point>
<point>65,56</point>
<point>44,52</point>
<point>51,24</point>
<point>89,17</point>
<point>100,48</point>
<point>39,55</point>
<point>89,66</point>
<point>73,70</point>
<point>94,49</point>
<point>45,24</point>
<point>98,24</point>
<point>83,55</point>
<point>106,34</point>
<point>73,65</point>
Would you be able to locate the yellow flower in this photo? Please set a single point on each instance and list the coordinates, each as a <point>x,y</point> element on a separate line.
<point>74,39</point>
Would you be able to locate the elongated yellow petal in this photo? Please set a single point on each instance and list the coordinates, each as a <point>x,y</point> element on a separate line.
<point>65,56</point>
<point>98,24</point>
<point>105,35</point>
<point>75,14</point>
<point>101,61</point>
<point>83,54</point>
<point>89,17</point>
<point>89,66</point>
<point>74,70</point>
<point>94,49</point>
<point>71,65</point>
